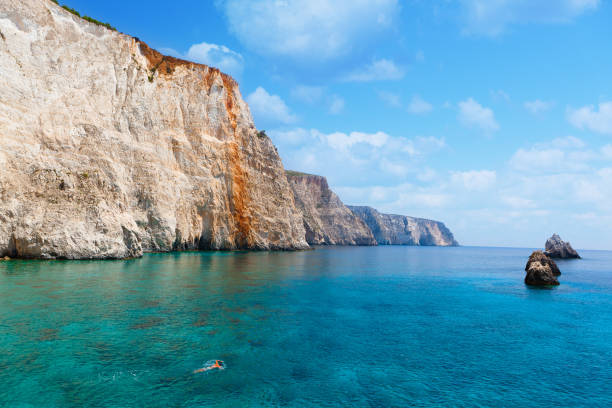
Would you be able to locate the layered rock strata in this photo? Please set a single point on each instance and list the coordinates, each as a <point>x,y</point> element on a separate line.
<point>109,149</point>
<point>390,229</point>
<point>327,220</point>
<point>557,248</point>
<point>541,270</point>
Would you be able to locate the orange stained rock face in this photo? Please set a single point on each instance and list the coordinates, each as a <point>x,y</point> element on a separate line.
<point>165,66</point>
<point>240,198</point>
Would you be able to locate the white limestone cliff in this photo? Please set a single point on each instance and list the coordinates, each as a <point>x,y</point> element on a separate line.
<point>109,149</point>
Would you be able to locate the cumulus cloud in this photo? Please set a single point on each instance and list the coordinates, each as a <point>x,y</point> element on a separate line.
<point>307,94</point>
<point>308,29</point>
<point>269,108</point>
<point>537,106</point>
<point>558,156</point>
<point>390,98</point>
<point>555,158</point>
<point>343,141</point>
<point>473,114</point>
<point>379,70</point>
<point>218,56</point>
<point>349,157</point>
<point>474,180</point>
<point>492,17</point>
<point>499,95</point>
<point>589,117</point>
<point>336,104</point>
<point>214,55</point>
<point>419,106</point>
<point>544,185</point>
<point>518,202</point>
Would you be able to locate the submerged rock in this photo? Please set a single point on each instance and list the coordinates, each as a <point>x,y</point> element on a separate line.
<point>557,248</point>
<point>541,270</point>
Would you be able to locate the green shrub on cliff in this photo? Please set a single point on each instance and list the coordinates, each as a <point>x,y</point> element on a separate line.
<point>86,18</point>
<point>73,11</point>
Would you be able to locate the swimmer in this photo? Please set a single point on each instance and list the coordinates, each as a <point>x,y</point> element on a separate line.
<point>218,364</point>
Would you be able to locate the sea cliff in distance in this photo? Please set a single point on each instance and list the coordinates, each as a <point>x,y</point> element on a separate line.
<point>109,149</point>
<point>328,221</point>
<point>392,229</point>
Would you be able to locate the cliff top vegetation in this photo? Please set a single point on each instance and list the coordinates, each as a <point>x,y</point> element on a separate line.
<point>86,18</point>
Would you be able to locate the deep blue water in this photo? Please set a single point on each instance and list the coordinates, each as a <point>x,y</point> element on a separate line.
<point>362,327</point>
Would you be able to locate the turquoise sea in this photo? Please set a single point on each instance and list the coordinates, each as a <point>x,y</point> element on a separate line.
<point>334,327</point>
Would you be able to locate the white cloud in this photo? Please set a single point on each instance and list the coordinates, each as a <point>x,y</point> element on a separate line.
<point>269,108</point>
<point>543,188</point>
<point>499,94</point>
<point>518,202</point>
<point>217,56</point>
<point>606,151</point>
<point>430,143</point>
<point>308,29</point>
<point>336,105</point>
<point>379,70</point>
<point>474,180</point>
<point>427,175</point>
<point>214,55</point>
<point>566,142</point>
<point>307,94</point>
<point>536,160</point>
<point>558,156</point>
<point>537,106</point>
<point>588,117</point>
<point>418,106</point>
<point>471,113</point>
<point>343,141</point>
<point>352,157</point>
<point>390,98</point>
<point>492,17</point>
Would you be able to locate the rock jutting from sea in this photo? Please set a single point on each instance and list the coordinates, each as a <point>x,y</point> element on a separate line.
<point>557,248</point>
<point>109,149</point>
<point>541,270</point>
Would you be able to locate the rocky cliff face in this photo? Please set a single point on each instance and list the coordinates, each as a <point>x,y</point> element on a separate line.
<point>391,229</point>
<point>541,270</point>
<point>109,149</point>
<point>557,248</point>
<point>326,219</point>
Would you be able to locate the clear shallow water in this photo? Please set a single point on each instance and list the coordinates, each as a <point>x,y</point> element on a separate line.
<point>366,327</point>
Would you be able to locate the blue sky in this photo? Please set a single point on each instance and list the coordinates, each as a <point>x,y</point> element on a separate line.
<point>494,116</point>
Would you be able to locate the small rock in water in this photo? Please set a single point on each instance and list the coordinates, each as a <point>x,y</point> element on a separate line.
<point>541,270</point>
<point>557,248</point>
